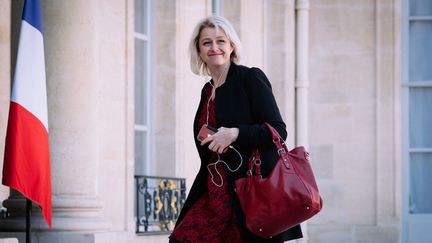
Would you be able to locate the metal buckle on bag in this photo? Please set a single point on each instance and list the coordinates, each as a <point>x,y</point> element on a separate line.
<point>281,150</point>
<point>279,139</point>
<point>257,162</point>
<point>249,172</point>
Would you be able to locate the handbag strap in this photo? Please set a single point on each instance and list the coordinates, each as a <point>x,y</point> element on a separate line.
<point>280,145</point>
<point>255,160</point>
<point>277,139</point>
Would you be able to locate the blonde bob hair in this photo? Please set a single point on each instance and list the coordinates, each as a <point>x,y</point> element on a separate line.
<point>197,64</point>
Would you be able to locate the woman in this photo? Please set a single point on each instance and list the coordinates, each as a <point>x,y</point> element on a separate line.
<point>236,101</point>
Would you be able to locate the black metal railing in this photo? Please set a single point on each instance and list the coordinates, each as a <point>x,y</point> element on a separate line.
<point>158,203</point>
<point>3,213</point>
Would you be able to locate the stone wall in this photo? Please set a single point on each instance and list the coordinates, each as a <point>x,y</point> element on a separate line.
<point>354,129</point>
<point>353,120</point>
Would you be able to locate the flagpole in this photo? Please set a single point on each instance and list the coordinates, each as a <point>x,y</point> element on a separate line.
<point>28,220</point>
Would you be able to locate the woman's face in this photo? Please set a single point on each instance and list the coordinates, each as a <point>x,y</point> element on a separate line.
<point>214,47</point>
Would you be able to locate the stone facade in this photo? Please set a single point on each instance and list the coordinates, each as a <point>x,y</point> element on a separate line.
<point>353,113</point>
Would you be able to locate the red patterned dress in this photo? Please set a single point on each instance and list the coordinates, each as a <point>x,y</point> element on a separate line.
<point>211,219</point>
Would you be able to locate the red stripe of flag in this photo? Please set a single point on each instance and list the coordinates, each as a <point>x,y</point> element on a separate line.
<point>27,161</point>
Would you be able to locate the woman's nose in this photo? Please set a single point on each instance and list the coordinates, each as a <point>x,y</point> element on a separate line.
<point>213,46</point>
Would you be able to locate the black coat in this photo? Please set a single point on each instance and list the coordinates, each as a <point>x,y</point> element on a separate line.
<point>244,101</point>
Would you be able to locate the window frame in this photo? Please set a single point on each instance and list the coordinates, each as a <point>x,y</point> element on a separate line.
<point>148,128</point>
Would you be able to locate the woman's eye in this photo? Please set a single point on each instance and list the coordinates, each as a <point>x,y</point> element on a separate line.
<point>206,43</point>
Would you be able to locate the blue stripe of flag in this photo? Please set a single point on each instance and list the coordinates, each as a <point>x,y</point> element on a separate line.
<point>32,13</point>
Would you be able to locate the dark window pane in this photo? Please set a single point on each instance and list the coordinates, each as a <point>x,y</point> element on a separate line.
<point>141,7</point>
<point>420,118</point>
<point>140,82</point>
<point>420,51</point>
<point>420,7</point>
<point>420,183</point>
<point>140,152</point>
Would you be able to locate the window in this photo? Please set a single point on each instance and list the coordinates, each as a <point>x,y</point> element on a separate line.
<point>419,85</point>
<point>417,120</point>
<point>154,124</point>
<point>142,128</point>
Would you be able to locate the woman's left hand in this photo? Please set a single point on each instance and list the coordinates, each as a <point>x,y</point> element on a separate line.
<point>219,141</point>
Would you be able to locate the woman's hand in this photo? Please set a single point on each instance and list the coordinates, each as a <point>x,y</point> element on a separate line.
<point>219,141</point>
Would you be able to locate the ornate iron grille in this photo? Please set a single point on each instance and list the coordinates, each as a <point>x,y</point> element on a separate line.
<point>158,203</point>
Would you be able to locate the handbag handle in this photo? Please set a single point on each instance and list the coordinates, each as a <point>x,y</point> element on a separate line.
<point>280,145</point>
<point>282,150</point>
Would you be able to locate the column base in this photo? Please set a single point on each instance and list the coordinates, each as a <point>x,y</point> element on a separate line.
<point>65,237</point>
<point>68,214</point>
<point>18,224</point>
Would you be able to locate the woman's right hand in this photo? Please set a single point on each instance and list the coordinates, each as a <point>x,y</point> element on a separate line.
<point>219,141</point>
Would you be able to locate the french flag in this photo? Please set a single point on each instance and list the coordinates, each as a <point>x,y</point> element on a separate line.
<point>27,159</point>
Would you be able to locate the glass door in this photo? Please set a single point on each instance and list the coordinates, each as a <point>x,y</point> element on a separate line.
<point>417,121</point>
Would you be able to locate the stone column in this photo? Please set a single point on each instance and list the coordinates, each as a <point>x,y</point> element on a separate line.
<point>71,40</point>
<point>73,68</point>
<point>251,31</point>
<point>289,73</point>
<point>302,81</point>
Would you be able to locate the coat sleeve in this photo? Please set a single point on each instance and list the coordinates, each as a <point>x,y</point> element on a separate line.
<point>264,109</point>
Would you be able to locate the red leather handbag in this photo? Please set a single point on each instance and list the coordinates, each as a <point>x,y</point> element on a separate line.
<point>287,197</point>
